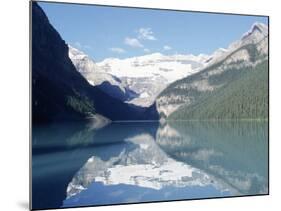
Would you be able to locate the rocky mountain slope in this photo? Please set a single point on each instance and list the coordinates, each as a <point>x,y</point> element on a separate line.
<point>245,56</point>
<point>59,91</point>
<point>139,80</point>
<point>148,75</point>
<point>97,77</point>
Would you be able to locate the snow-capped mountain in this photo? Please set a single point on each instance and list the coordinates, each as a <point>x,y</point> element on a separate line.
<point>169,67</point>
<point>247,52</point>
<point>139,80</point>
<point>136,80</point>
<point>87,67</point>
<point>256,34</point>
<point>148,75</point>
<point>98,77</point>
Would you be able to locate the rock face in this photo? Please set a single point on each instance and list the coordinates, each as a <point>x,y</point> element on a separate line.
<point>140,80</point>
<point>108,83</point>
<point>148,75</point>
<point>54,78</point>
<point>232,63</point>
<point>59,91</point>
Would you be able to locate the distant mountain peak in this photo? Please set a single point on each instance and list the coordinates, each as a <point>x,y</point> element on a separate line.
<point>74,52</point>
<point>222,49</point>
<point>257,29</point>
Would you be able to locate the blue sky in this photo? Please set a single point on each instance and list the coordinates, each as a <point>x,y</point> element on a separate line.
<point>104,32</point>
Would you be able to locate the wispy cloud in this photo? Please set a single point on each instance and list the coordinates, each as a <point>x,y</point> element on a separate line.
<point>142,34</point>
<point>167,48</point>
<point>117,50</point>
<point>88,47</point>
<point>82,46</point>
<point>146,34</point>
<point>77,44</point>
<point>133,42</point>
<point>146,50</point>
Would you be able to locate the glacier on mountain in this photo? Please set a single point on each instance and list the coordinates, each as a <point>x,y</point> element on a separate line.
<point>140,80</point>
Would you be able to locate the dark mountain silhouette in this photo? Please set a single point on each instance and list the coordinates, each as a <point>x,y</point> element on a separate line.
<point>59,92</point>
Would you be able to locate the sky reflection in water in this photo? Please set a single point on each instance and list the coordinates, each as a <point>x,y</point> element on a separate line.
<point>138,162</point>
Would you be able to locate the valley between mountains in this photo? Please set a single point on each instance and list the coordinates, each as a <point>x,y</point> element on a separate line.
<point>67,84</point>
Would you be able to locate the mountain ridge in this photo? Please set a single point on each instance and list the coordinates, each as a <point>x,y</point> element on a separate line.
<point>108,83</point>
<point>250,51</point>
<point>59,91</point>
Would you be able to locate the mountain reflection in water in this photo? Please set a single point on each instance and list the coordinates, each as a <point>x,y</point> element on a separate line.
<point>146,161</point>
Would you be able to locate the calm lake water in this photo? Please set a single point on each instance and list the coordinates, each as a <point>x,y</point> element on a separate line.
<point>74,164</point>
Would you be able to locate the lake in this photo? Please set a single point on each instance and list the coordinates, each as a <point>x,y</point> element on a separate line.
<point>74,164</point>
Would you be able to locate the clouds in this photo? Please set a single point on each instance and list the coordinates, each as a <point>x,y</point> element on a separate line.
<point>167,48</point>
<point>117,50</point>
<point>133,42</point>
<point>141,40</point>
<point>146,50</point>
<point>145,34</point>
<point>142,34</point>
<point>82,46</point>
